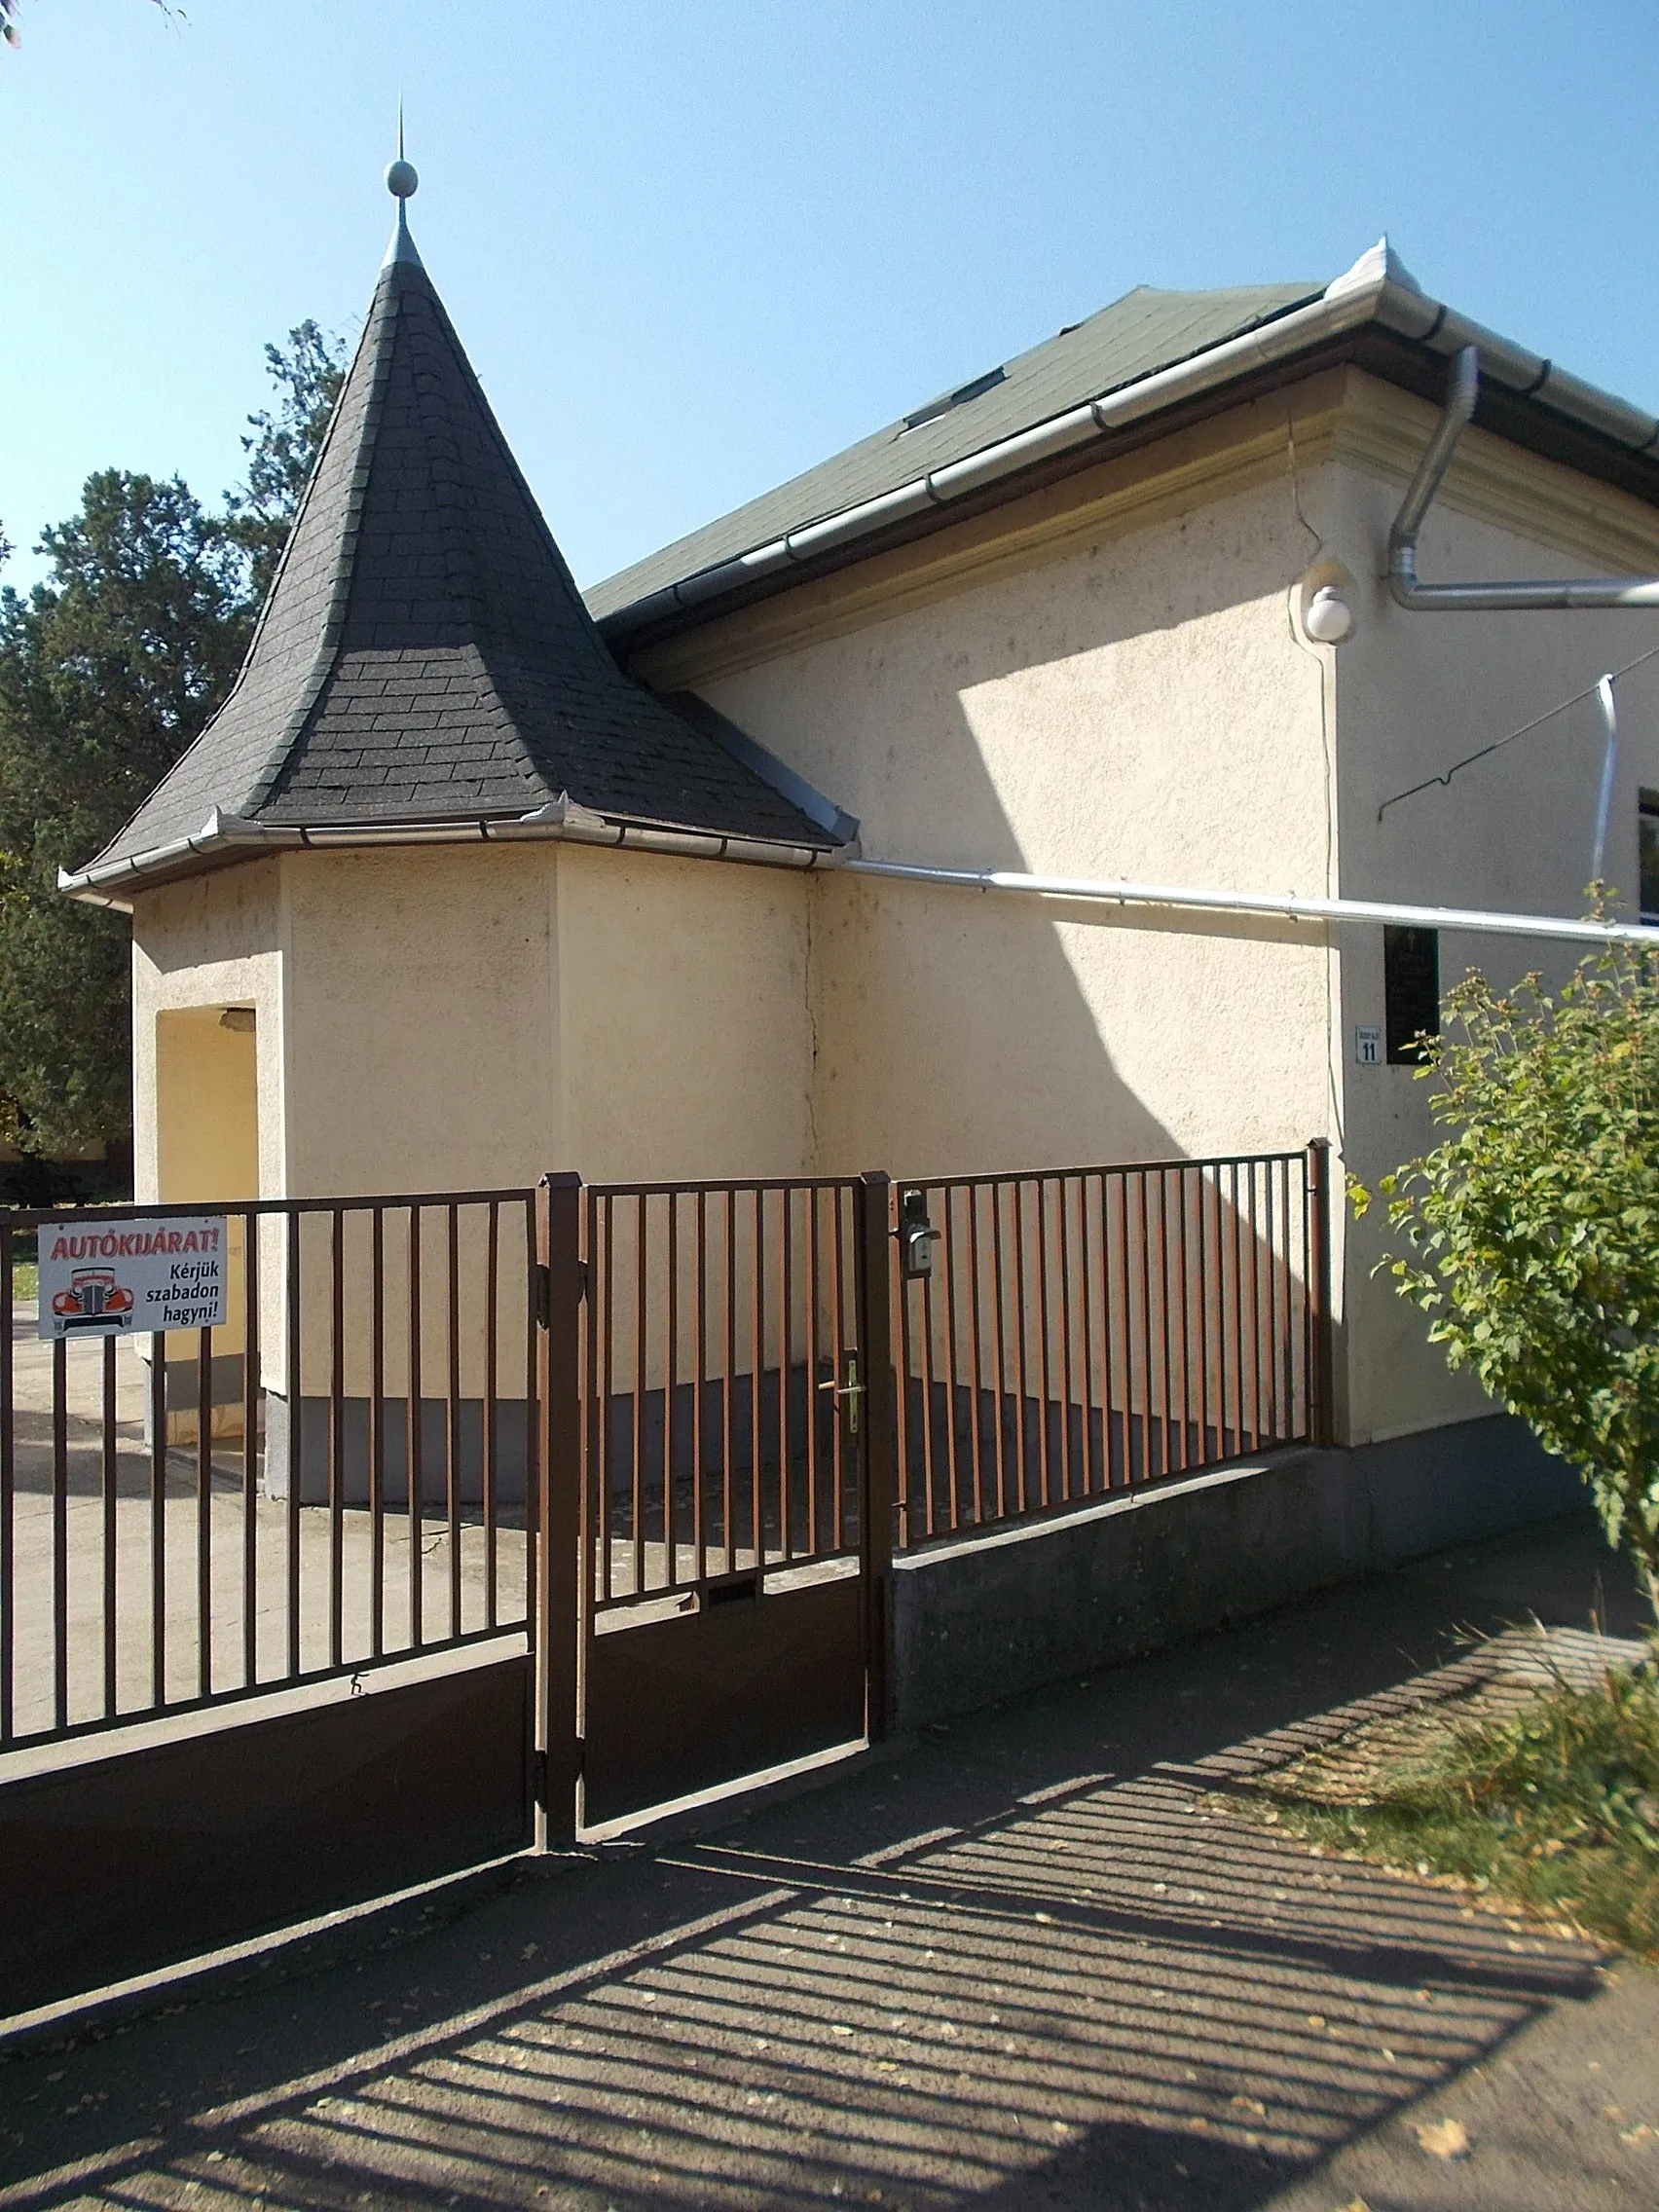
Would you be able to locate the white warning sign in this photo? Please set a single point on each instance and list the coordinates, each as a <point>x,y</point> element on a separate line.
<point>131,1277</point>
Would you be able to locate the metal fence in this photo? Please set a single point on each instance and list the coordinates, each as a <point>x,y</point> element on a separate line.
<point>1070,1333</point>
<point>427,1420</point>
<point>341,1473</point>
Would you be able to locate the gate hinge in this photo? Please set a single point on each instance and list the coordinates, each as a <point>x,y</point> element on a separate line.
<point>544,1290</point>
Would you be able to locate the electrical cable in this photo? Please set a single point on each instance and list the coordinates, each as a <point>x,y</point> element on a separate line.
<point>1496,746</point>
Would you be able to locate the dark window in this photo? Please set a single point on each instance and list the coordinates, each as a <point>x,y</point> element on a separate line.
<point>1411,992</point>
<point>960,397</point>
<point>1647,825</point>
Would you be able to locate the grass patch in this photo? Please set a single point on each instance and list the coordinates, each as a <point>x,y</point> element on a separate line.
<point>26,1279</point>
<point>1552,1805</point>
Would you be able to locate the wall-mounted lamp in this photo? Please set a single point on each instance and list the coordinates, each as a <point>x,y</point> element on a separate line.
<point>1329,618</point>
<point>917,1238</point>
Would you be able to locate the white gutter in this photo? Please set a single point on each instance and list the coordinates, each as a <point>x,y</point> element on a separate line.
<point>561,819</point>
<point>227,835</point>
<point>1377,290</point>
<point>1288,905</point>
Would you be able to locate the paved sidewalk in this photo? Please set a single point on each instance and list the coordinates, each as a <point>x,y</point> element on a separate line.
<point>1016,1964</point>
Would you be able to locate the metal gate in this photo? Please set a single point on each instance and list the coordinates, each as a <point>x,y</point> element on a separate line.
<point>736,1483</point>
<point>270,1590</point>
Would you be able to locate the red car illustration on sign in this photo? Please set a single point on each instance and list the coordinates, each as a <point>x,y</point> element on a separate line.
<point>93,1297</point>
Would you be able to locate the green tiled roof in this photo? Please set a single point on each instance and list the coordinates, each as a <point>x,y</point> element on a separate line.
<point>1143,332</point>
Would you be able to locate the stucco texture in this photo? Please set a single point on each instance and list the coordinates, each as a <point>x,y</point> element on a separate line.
<point>1415,692</point>
<point>1107,678</point>
<point>1136,705</point>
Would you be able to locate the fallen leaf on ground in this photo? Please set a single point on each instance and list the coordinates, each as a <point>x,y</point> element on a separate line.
<point>1443,2138</point>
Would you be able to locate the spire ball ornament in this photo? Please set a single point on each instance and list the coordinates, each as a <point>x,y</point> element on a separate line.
<point>401,180</point>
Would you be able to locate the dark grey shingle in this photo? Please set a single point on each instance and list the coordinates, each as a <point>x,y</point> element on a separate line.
<point>424,650</point>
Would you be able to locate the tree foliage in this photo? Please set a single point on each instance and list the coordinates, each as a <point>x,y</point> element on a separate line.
<point>108,670</point>
<point>1533,1230</point>
<point>281,445</point>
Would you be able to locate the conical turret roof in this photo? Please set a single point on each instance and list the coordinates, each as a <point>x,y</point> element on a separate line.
<point>424,656</point>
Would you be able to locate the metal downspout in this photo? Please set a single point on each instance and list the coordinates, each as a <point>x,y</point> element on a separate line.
<point>1478,599</point>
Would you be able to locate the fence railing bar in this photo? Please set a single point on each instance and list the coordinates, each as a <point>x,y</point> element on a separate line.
<point>905,1485</point>
<point>22,1218</point>
<point>1262,1430</point>
<point>641,1324</point>
<point>729,1410</point>
<point>606,1549</point>
<point>1166,1324</point>
<point>814,1357</point>
<point>109,1487</point>
<point>1203,1304</point>
<point>489,1400</point>
<point>377,1431</point>
<point>158,1519</point>
<point>1276,1403</point>
<point>976,1353</point>
<point>929,1467</point>
<point>699,1387</point>
<point>1087,1340</point>
<point>337,1437</point>
<point>757,1385</point>
<point>1184,1312</point>
<point>60,1532</point>
<point>1021,1333</point>
<point>671,1378</point>
<point>292,1384</point>
<point>953,1416</point>
<point>1068,1327</point>
<point>204,1511</point>
<point>415,1453</point>
<point>452,1411</point>
<point>8,1493</point>
<point>528,1203</point>
<point>786,1338</point>
<point>250,1409</point>
<point>999,1338</point>
<point>841,1202</point>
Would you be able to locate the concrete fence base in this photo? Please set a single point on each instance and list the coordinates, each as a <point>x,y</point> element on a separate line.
<point>982,1618</point>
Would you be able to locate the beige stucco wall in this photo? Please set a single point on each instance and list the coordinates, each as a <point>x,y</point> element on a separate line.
<point>1132,705</point>
<point>455,1017</point>
<point>209,944</point>
<point>1415,692</point>
<point>685,1019</point>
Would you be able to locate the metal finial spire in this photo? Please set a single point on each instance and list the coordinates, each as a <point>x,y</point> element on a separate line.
<point>401,180</point>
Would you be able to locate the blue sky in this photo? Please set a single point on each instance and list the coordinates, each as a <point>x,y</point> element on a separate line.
<point>695,246</point>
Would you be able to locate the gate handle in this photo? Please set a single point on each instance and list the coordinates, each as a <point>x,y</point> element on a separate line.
<point>852,1388</point>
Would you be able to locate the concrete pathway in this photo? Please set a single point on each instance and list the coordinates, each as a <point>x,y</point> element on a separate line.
<point>1024,1963</point>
